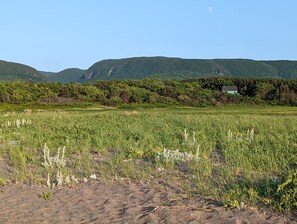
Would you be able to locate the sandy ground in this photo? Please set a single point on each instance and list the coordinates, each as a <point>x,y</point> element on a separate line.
<point>120,202</point>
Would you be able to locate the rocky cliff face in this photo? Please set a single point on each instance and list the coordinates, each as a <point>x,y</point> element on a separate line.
<point>88,76</point>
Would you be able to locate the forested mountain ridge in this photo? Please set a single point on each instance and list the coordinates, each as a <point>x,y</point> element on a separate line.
<point>10,71</point>
<point>285,69</point>
<point>155,67</point>
<point>177,68</point>
<point>66,76</point>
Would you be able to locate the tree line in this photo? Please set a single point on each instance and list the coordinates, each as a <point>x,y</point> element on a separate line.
<point>194,92</point>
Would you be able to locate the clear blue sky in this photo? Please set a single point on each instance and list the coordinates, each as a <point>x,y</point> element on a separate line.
<point>52,35</point>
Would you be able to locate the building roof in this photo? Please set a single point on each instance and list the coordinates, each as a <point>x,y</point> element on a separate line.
<point>229,88</point>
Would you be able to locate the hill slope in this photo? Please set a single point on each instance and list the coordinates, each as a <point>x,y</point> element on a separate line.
<point>47,74</point>
<point>10,71</point>
<point>65,76</point>
<point>177,68</point>
<point>285,69</point>
<point>139,68</point>
<point>154,67</point>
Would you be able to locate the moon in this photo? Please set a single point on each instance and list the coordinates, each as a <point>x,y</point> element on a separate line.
<point>209,9</point>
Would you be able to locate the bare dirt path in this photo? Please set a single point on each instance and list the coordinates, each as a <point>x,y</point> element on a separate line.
<point>119,203</point>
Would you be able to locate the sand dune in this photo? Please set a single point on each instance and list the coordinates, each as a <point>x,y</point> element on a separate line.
<point>119,202</point>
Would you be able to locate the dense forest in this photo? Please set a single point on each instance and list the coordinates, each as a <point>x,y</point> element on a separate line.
<point>195,92</point>
<point>66,76</point>
<point>10,71</point>
<point>154,68</point>
<point>181,69</point>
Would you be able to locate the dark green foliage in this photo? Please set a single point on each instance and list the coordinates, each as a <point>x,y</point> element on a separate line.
<point>180,69</point>
<point>281,194</point>
<point>286,194</point>
<point>10,71</point>
<point>155,67</point>
<point>47,74</point>
<point>246,68</point>
<point>195,92</point>
<point>285,69</point>
<point>66,76</point>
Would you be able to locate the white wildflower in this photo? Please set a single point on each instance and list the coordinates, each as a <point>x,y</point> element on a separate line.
<point>48,182</point>
<point>54,160</point>
<point>67,180</point>
<point>242,205</point>
<point>18,123</point>
<point>230,135</point>
<point>93,176</point>
<point>176,155</point>
<point>59,179</point>
<point>186,136</point>
<point>75,180</point>
<point>247,137</point>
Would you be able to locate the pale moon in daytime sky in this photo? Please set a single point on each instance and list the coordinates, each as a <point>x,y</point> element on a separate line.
<point>210,9</point>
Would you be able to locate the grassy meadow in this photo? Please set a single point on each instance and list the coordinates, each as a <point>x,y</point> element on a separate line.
<point>240,156</point>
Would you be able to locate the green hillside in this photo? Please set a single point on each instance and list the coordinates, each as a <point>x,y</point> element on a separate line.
<point>155,67</point>
<point>285,69</point>
<point>65,76</point>
<point>47,74</point>
<point>177,68</point>
<point>246,68</point>
<point>10,71</point>
<point>143,67</point>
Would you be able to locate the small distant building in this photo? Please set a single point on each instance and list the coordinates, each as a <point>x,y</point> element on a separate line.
<point>230,89</point>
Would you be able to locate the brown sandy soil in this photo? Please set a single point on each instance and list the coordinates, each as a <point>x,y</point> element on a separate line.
<point>119,202</point>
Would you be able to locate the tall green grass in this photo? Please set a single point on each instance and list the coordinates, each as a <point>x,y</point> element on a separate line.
<point>234,167</point>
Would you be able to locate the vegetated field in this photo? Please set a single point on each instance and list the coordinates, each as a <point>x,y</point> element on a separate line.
<point>240,156</point>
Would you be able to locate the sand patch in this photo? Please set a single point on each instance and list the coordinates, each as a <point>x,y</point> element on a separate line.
<point>119,202</point>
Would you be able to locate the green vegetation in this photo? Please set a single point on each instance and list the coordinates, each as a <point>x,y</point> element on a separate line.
<point>241,156</point>
<point>65,76</point>
<point>177,68</point>
<point>2,181</point>
<point>13,71</point>
<point>197,139</point>
<point>285,69</point>
<point>247,68</point>
<point>157,93</point>
<point>45,195</point>
<point>155,67</point>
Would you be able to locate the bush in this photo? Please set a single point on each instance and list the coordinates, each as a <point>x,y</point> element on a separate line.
<point>286,194</point>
